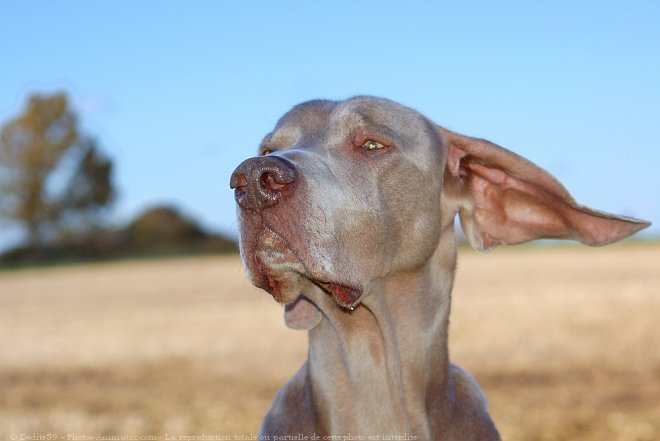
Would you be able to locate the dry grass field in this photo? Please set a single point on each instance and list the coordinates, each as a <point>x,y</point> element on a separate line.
<point>565,341</point>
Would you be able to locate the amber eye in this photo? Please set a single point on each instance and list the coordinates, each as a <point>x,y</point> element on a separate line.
<point>265,152</point>
<point>372,145</point>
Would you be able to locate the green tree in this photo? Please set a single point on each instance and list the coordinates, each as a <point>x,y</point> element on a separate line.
<point>35,149</point>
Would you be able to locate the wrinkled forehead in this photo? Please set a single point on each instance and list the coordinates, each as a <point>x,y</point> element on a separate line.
<point>333,120</point>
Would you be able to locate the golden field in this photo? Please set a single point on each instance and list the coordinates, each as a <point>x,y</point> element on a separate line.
<point>564,340</point>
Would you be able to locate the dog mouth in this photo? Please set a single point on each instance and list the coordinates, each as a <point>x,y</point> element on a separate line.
<point>290,285</point>
<point>278,269</point>
<point>345,296</point>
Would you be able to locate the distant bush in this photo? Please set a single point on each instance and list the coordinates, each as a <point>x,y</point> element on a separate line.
<point>163,227</point>
<point>158,231</point>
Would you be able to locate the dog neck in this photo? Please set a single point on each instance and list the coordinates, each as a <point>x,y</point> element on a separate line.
<point>389,357</point>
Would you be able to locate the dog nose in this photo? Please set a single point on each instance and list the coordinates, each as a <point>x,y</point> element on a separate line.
<point>262,182</point>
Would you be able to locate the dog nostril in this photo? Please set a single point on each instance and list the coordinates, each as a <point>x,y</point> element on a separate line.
<point>269,181</point>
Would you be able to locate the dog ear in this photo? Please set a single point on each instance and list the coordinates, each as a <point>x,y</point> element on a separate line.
<point>503,198</point>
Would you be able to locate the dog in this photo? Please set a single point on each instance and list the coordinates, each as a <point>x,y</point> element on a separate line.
<point>347,218</point>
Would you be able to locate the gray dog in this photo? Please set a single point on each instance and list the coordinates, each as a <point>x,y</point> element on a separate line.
<point>347,218</point>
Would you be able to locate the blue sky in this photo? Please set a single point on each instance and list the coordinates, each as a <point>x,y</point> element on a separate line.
<point>178,93</point>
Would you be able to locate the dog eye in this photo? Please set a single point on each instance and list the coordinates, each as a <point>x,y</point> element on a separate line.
<point>372,145</point>
<point>265,152</point>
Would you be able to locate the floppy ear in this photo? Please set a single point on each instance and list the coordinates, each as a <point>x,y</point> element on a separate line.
<point>502,198</point>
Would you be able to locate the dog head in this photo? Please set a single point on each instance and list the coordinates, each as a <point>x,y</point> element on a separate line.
<point>347,192</point>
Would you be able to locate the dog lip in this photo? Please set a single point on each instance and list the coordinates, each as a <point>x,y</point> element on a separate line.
<point>273,287</point>
<point>346,295</point>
